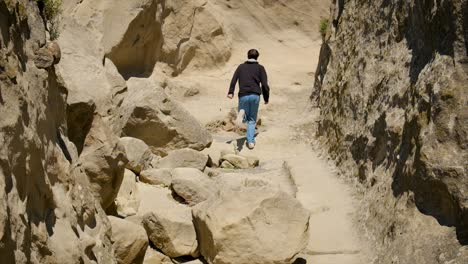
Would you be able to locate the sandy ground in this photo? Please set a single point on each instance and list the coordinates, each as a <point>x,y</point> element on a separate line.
<point>290,58</point>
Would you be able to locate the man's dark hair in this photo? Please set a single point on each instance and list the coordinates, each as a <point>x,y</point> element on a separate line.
<point>253,54</point>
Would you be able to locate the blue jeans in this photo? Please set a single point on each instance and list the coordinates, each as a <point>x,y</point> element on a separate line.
<point>249,103</point>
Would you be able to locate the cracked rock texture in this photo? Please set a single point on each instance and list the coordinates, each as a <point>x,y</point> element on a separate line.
<point>48,211</point>
<point>112,41</point>
<point>392,87</point>
<point>113,48</point>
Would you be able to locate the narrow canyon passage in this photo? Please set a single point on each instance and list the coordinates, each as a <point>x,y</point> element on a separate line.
<point>284,147</point>
<point>119,145</point>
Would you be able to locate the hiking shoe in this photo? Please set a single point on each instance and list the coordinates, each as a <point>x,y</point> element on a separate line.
<point>240,118</point>
<point>251,145</point>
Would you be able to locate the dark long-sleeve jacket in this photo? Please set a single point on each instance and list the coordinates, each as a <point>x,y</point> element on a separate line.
<point>252,79</point>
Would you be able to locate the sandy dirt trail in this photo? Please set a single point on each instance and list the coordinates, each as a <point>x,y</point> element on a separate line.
<point>290,58</point>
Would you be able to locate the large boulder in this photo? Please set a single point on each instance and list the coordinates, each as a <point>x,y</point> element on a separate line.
<point>162,177</point>
<point>150,115</point>
<point>88,74</point>
<point>129,240</point>
<point>128,198</point>
<point>184,158</point>
<point>237,161</point>
<point>192,185</point>
<point>103,159</point>
<point>251,225</point>
<point>204,44</point>
<point>139,154</point>
<point>168,223</point>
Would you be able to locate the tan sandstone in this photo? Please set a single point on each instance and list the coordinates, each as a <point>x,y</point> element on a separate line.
<point>251,225</point>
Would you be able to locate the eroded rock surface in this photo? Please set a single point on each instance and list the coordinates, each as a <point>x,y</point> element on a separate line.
<point>247,225</point>
<point>161,177</point>
<point>237,161</point>
<point>111,41</point>
<point>129,240</point>
<point>168,223</point>
<point>392,91</point>
<point>184,158</point>
<point>150,115</point>
<point>192,185</point>
<point>155,257</point>
<point>49,214</point>
<point>103,159</point>
<point>138,154</point>
<point>128,197</point>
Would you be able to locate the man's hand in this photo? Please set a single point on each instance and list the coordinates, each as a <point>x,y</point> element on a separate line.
<point>230,96</point>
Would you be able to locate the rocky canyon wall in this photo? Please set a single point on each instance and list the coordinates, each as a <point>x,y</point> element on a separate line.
<point>65,104</point>
<point>84,117</point>
<point>107,43</point>
<point>392,88</point>
<point>48,213</point>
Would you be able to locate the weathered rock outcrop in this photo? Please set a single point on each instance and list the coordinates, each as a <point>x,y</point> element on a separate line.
<point>128,198</point>
<point>129,240</point>
<point>183,158</point>
<point>48,211</point>
<point>392,87</point>
<point>138,154</point>
<point>103,159</point>
<point>161,177</point>
<point>251,225</point>
<point>150,115</point>
<point>155,257</point>
<point>110,41</point>
<point>276,15</point>
<point>177,33</point>
<point>168,223</point>
<point>192,185</point>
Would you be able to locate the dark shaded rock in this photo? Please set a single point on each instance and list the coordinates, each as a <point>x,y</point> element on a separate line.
<point>48,211</point>
<point>48,55</point>
<point>44,58</point>
<point>79,119</point>
<point>103,160</point>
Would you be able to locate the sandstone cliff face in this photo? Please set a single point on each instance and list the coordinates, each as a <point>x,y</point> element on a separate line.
<point>112,41</point>
<point>62,162</point>
<point>392,87</point>
<point>48,213</point>
<point>107,43</point>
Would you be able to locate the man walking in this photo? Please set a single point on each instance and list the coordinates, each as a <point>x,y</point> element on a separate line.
<point>253,82</point>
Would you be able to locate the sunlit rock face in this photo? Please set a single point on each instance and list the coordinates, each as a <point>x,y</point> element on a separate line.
<point>392,87</point>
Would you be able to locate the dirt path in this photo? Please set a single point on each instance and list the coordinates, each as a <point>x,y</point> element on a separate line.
<point>282,145</point>
<point>332,234</point>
